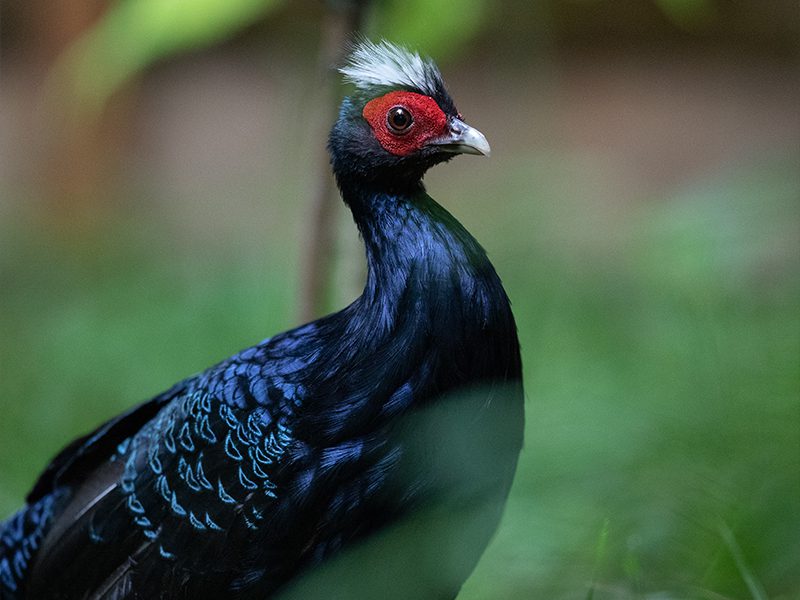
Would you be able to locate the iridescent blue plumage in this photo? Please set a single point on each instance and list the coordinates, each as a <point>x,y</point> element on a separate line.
<point>284,455</point>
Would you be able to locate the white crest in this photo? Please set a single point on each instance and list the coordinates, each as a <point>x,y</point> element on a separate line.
<point>386,64</point>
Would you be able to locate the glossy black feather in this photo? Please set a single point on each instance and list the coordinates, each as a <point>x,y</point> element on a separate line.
<point>304,446</point>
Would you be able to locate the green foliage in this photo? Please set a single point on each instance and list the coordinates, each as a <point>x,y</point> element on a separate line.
<point>428,553</point>
<point>135,33</point>
<point>436,27</point>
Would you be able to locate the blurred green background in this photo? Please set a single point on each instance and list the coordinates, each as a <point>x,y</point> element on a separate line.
<point>642,205</point>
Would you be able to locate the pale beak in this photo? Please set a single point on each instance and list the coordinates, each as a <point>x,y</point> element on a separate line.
<point>462,139</point>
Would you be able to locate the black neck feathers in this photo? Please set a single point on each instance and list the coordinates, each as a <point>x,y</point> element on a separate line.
<point>429,281</point>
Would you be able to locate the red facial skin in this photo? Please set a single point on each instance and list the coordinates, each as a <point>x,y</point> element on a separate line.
<point>429,121</point>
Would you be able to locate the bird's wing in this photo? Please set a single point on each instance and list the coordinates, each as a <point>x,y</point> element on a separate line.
<point>219,438</point>
<point>84,454</point>
<point>77,465</point>
<point>169,486</point>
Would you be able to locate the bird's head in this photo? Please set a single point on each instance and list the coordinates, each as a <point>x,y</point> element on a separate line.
<point>399,122</point>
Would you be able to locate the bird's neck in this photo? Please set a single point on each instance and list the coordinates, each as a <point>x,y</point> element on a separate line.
<point>433,316</point>
<point>420,260</point>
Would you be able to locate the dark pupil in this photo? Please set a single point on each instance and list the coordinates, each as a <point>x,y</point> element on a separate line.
<point>399,118</point>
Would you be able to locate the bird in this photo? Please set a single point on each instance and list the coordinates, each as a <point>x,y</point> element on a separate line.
<point>388,431</point>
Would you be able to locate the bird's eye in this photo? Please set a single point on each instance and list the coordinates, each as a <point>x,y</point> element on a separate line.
<point>399,119</point>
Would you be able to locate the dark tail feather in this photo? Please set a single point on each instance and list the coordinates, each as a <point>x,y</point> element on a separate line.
<point>20,538</point>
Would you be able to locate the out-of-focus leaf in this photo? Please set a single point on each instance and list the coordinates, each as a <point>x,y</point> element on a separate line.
<point>688,14</point>
<point>469,454</point>
<point>437,27</point>
<point>135,33</point>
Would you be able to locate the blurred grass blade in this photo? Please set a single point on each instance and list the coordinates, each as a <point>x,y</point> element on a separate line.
<point>757,591</point>
<point>599,555</point>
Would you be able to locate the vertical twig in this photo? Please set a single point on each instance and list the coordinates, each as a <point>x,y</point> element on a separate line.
<point>343,19</point>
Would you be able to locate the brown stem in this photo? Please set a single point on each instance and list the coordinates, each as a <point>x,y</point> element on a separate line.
<point>343,19</point>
